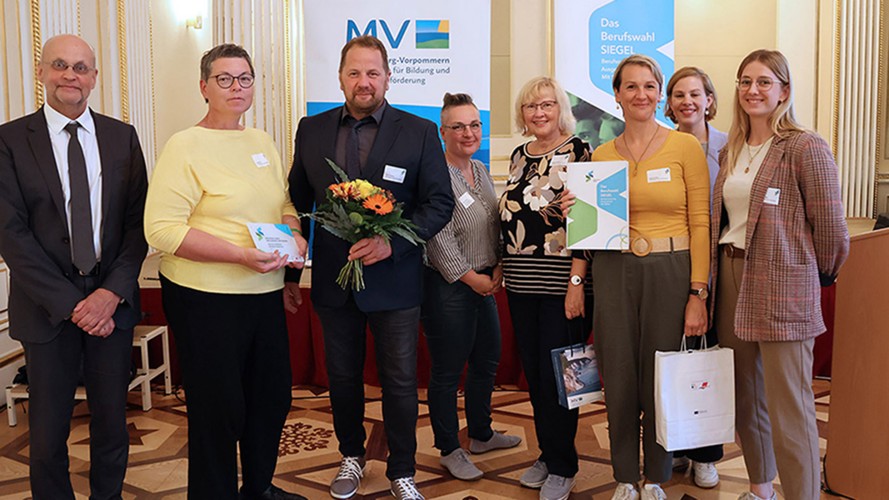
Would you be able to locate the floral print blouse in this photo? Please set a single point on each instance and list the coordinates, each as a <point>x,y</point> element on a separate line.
<point>536,258</point>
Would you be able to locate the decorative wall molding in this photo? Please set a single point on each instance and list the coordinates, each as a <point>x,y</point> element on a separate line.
<point>265,29</point>
<point>858,67</point>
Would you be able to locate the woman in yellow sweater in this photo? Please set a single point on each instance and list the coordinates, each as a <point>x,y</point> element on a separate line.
<point>223,297</point>
<point>647,298</point>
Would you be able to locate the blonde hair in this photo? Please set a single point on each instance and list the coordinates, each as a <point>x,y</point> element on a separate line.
<point>639,60</point>
<point>781,121</point>
<point>531,91</point>
<point>709,89</point>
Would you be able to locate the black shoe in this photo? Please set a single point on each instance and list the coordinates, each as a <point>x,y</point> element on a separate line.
<point>272,493</point>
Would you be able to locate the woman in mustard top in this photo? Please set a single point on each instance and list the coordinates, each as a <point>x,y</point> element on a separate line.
<point>647,298</point>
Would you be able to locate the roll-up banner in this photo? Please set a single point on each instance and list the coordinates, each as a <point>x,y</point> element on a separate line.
<point>434,47</point>
<point>591,38</point>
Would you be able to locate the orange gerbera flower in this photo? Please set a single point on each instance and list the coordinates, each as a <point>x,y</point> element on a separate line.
<point>379,203</point>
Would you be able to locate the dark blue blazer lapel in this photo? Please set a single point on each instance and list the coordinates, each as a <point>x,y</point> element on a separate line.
<point>41,146</point>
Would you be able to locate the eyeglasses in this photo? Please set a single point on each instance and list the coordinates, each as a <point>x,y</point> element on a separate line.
<point>79,68</point>
<point>461,127</point>
<point>225,80</point>
<point>762,83</point>
<point>546,106</point>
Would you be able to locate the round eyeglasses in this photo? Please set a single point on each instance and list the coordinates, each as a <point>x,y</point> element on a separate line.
<point>762,83</point>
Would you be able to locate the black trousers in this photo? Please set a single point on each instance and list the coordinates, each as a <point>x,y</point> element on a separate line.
<point>53,372</point>
<point>395,343</point>
<point>235,360</point>
<point>462,328</point>
<point>540,326</point>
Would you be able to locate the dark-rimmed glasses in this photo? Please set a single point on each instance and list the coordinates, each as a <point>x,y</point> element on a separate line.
<point>225,80</point>
<point>461,127</point>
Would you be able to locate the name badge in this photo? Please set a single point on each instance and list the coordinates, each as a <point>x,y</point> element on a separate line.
<point>659,175</point>
<point>260,160</point>
<point>772,196</point>
<point>559,160</point>
<point>394,174</point>
<point>466,199</point>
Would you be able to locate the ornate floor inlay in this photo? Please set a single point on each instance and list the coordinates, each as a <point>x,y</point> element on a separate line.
<point>308,456</point>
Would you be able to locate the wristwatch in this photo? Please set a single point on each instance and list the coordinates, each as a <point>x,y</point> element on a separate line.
<point>576,279</point>
<point>702,293</point>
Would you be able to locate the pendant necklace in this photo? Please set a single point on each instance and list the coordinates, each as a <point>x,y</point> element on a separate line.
<point>635,161</point>
<point>753,156</point>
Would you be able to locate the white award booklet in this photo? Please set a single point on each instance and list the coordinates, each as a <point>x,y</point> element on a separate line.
<point>599,219</point>
<point>271,237</point>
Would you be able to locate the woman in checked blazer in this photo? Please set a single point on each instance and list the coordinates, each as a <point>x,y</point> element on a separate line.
<point>778,234</point>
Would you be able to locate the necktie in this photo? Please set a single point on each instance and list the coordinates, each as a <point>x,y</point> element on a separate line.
<point>82,249</point>
<point>353,158</point>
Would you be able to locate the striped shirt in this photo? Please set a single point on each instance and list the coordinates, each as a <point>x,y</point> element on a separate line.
<point>471,240</point>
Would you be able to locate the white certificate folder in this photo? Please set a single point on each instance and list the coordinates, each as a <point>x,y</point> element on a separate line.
<point>599,219</point>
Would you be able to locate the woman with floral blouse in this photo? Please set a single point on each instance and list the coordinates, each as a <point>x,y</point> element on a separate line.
<point>536,269</point>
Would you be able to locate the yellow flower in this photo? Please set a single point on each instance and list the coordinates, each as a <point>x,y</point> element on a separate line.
<point>364,188</point>
<point>379,204</point>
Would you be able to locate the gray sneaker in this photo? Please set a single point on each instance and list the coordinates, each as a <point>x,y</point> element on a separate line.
<point>348,479</point>
<point>556,487</point>
<point>498,441</point>
<point>404,488</point>
<point>460,466</point>
<point>535,476</point>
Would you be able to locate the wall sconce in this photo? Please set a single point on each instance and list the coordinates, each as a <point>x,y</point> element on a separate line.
<point>196,22</point>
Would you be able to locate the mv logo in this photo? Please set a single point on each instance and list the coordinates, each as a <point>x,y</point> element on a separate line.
<point>429,34</point>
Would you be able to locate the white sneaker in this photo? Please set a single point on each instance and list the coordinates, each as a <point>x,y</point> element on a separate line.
<point>705,474</point>
<point>653,492</point>
<point>625,491</point>
<point>348,478</point>
<point>404,488</point>
<point>748,495</point>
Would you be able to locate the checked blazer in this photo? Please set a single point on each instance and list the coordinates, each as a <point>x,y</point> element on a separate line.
<point>792,248</point>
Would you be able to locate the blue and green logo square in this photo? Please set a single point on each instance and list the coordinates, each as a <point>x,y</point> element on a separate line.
<point>433,34</point>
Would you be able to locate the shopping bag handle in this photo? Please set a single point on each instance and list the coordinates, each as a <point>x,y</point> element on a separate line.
<point>683,347</point>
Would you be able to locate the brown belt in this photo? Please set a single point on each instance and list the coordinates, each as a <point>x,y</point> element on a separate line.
<point>643,245</point>
<point>732,252</point>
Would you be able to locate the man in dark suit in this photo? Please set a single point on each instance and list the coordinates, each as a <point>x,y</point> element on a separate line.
<point>72,192</point>
<point>402,153</point>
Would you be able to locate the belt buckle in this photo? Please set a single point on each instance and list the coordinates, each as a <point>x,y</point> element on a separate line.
<point>640,246</point>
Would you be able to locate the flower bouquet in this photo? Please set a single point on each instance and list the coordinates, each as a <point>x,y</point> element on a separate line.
<point>355,210</point>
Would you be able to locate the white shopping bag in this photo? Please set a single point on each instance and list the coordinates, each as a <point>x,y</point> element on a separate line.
<point>694,397</point>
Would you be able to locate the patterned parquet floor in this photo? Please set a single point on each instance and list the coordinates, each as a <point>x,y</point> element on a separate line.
<point>308,457</point>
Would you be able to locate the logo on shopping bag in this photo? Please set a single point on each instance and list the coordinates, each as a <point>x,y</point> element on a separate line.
<point>700,385</point>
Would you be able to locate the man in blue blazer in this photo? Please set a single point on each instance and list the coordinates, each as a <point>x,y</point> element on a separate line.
<point>72,192</point>
<point>402,153</point>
